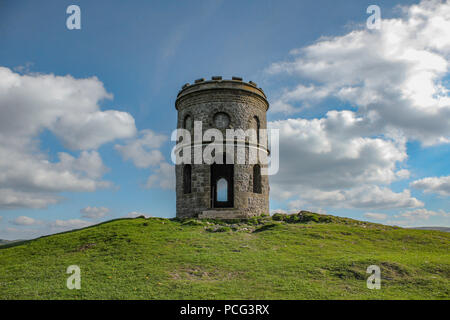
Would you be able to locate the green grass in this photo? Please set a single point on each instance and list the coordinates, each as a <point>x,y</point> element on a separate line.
<point>308,256</point>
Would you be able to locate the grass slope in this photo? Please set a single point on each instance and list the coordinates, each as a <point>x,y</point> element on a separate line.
<point>304,256</point>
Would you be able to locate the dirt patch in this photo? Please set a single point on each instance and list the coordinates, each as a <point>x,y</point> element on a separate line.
<point>86,246</point>
<point>393,270</point>
<point>201,274</point>
<point>357,270</point>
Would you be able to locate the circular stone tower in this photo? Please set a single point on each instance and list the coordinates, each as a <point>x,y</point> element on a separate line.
<point>230,188</point>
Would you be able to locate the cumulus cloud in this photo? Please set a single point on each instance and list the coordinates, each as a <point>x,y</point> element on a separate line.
<point>298,205</point>
<point>67,107</point>
<point>327,162</point>
<point>135,214</point>
<point>24,221</point>
<point>163,177</point>
<point>330,152</point>
<point>394,82</point>
<point>12,199</point>
<point>364,197</point>
<point>31,180</point>
<point>393,76</point>
<point>91,130</point>
<point>69,224</point>
<point>438,185</point>
<point>143,150</point>
<point>307,95</point>
<point>94,212</point>
<point>62,104</point>
<point>278,211</point>
<point>375,216</point>
<point>422,214</point>
<point>27,227</point>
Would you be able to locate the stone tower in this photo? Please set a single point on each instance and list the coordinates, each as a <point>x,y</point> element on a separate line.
<point>222,190</point>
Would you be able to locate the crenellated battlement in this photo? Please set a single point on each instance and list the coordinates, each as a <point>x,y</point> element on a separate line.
<point>216,82</point>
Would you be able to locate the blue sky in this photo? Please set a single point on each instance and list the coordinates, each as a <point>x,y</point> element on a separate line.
<point>142,52</point>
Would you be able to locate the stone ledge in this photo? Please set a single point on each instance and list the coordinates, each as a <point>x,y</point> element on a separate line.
<point>223,214</point>
<point>234,84</point>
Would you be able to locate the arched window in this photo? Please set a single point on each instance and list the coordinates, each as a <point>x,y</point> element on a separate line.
<point>257,127</point>
<point>257,178</point>
<point>222,190</point>
<point>188,123</point>
<point>187,173</point>
<point>221,120</point>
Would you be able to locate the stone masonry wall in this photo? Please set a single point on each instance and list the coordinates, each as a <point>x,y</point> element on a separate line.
<point>241,102</point>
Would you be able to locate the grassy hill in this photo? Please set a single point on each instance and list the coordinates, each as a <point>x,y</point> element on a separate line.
<point>303,256</point>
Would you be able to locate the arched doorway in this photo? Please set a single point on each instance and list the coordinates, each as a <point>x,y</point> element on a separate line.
<point>222,185</point>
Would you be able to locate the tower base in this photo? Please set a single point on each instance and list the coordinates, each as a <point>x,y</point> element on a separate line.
<point>223,214</point>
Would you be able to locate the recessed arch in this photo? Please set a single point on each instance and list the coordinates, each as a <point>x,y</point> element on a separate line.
<point>187,178</point>
<point>222,190</point>
<point>257,126</point>
<point>257,186</point>
<point>222,184</point>
<point>221,120</point>
<point>188,122</point>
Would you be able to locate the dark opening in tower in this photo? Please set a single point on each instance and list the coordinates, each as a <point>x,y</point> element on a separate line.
<point>222,185</point>
<point>187,177</point>
<point>257,188</point>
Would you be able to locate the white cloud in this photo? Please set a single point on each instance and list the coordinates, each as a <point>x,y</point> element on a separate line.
<point>439,185</point>
<point>14,233</point>
<point>330,153</point>
<point>91,130</point>
<point>422,214</point>
<point>375,216</point>
<point>419,218</point>
<point>94,212</point>
<point>28,228</point>
<point>328,162</point>
<point>364,197</point>
<point>31,180</point>
<point>394,76</point>
<point>306,94</point>
<point>394,81</point>
<point>135,214</point>
<point>12,199</point>
<point>278,211</point>
<point>89,163</point>
<point>164,177</point>
<point>24,221</point>
<point>296,206</point>
<point>64,105</point>
<point>69,224</point>
<point>69,108</point>
<point>143,149</point>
